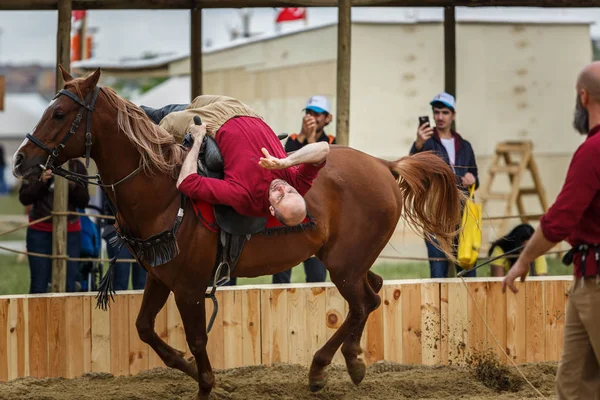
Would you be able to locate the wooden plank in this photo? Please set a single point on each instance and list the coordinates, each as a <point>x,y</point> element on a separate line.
<point>411,323</point>
<point>4,334</point>
<point>57,337</point>
<point>444,327</point>
<point>496,318</point>
<point>296,326</point>
<point>119,335</point>
<point>38,337</point>
<point>251,351</point>
<point>12,340</point>
<point>101,338</point>
<point>476,310</point>
<point>374,349</point>
<point>87,333</point>
<point>23,337</point>
<point>2,91</point>
<point>344,45</point>
<point>273,304</point>
<point>138,350</point>
<point>337,309</point>
<point>316,320</point>
<point>74,336</point>
<point>534,299</point>
<point>161,329</point>
<point>430,323</point>
<point>175,330</point>
<point>458,334</point>
<point>392,323</point>
<point>185,4</point>
<point>554,324</point>
<point>232,329</point>
<point>516,324</point>
<point>216,345</point>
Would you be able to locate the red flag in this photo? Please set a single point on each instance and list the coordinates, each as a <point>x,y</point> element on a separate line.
<point>291,14</point>
<point>77,15</point>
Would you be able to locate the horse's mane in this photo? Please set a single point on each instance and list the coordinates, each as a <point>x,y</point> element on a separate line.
<point>157,147</point>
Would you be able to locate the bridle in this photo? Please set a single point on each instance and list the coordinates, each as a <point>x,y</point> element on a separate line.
<point>88,107</point>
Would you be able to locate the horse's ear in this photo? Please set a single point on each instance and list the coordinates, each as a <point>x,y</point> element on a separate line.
<point>93,79</point>
<point>66,76</point>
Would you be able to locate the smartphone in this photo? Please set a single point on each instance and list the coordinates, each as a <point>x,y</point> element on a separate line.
<point>423,120</point>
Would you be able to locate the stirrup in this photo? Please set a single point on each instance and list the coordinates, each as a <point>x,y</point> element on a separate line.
<point>220,282</point>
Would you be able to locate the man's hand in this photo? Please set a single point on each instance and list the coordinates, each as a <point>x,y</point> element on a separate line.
<point>198,132</point>
<point>519,269</point>
<point>47,174</point>
<point>423,134</point>
<point>270,162</point>
<point>309,129</point>
<point>468,179</point>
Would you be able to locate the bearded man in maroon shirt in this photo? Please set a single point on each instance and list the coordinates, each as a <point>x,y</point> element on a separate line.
<point>575,217</point>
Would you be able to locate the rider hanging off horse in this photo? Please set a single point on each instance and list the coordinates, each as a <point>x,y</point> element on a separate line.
<point>254,186</point>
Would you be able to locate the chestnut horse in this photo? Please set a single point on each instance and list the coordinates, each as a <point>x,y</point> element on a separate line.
<point>356,201</point>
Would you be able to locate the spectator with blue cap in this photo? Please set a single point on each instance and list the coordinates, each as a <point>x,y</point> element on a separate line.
<point>456,152</point>
<point>317,115</point>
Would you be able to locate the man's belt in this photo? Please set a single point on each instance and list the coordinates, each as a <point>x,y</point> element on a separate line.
<point>584,249</point>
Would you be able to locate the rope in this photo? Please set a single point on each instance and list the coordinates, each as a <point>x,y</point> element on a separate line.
<point>496,340</point>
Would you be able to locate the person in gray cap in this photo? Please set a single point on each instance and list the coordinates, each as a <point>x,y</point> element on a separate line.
<point>317,115</point>
<point>456,152</point>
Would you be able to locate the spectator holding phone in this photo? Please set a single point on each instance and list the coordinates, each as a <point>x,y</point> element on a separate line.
<point>455,151</point>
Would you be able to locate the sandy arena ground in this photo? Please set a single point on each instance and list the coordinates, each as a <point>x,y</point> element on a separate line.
<point>384,381</point>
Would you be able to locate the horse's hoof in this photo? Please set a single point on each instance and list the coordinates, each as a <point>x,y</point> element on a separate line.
<point>317,385</point>
<point>357,371</point>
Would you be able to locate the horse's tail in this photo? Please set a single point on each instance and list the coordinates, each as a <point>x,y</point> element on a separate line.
<point>430,198</point>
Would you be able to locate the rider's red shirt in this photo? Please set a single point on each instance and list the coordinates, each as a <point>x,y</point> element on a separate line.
<point>245,186</point>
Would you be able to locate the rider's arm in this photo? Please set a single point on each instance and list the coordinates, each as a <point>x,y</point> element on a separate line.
<point>313,153</point>
<point>213,191</point>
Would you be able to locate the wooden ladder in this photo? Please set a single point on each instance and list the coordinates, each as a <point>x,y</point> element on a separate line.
<point>515,171</point>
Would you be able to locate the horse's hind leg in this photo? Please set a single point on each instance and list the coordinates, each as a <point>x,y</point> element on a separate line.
<point>155,296</point>
<point>351,348</point>
<point>362,300</point>
<point>190,304</point>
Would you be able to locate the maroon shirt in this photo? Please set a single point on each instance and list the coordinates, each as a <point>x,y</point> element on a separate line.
<point>245,186</point>
<point>575,215</point>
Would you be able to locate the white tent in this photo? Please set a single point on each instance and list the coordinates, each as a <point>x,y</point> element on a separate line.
<point>175,90</point>
<point>21,113</point>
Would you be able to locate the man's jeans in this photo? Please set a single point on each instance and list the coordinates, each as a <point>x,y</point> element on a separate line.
<point>40,269</point>
<point>439,269</point>
<point>138,273</point>
<point>313,267</point>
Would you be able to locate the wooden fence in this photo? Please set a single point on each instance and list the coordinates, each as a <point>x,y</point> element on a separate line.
<point>419,322</point>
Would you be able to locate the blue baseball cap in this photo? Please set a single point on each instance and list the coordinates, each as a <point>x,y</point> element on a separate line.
<point>318,104</point>
<point>445,99</point>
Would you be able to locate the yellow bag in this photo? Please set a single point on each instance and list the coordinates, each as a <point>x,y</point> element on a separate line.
<point>469,240</point>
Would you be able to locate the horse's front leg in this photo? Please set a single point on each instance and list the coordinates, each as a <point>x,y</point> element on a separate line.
<point>190,304</point>
<point>155,296</point>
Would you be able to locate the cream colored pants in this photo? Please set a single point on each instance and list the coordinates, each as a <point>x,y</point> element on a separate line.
<point>578,375</point>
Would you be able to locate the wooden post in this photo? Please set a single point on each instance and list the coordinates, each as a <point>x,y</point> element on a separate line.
<point>343,72</point>
<point>450,71</point>
<point>196,51</point>
<point>59,223</point>
<point>450,50</point>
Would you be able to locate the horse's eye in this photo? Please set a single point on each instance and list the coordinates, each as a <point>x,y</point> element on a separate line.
<point>58,115</point>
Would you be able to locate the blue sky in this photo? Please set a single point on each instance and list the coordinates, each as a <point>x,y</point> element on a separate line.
<point>30,36</point>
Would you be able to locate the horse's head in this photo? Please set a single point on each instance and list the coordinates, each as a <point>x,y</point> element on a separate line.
<point>61,133</point>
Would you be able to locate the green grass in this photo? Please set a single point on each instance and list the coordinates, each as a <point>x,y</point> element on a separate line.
<point>15,274</point>
<point>10,205</point>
